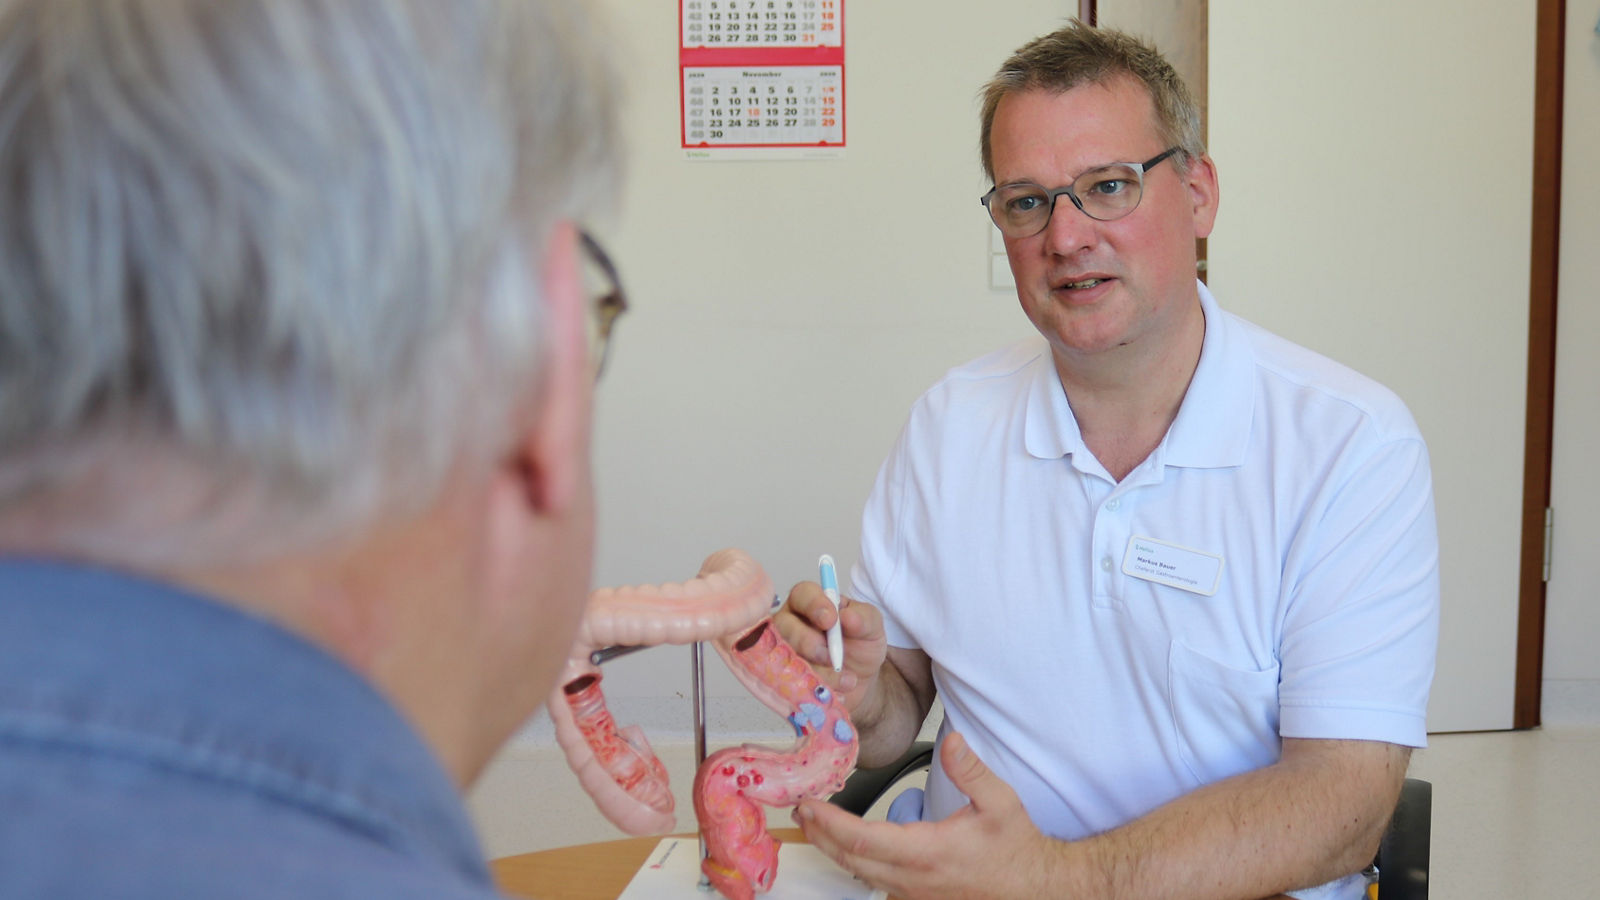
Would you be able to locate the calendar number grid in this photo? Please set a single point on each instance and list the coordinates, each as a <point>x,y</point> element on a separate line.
<point>762,23</point>
<point>761,74</point>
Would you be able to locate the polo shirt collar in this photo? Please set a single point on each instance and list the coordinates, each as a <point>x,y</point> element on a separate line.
<point>1212,429</point>
<point>1049,430</point>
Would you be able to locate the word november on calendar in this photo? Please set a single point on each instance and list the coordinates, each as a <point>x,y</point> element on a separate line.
<point>762,78</point>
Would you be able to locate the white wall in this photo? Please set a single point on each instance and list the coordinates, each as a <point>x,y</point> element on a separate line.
<point>786,314</point>
<point>1572,623</point>
<point>1374,159</point>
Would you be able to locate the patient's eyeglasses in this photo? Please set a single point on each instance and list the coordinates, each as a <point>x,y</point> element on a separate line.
<point>1105,193</point>
<point>602,283</point>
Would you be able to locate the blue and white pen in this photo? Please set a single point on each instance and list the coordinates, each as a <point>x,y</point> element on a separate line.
<point>830,587</point>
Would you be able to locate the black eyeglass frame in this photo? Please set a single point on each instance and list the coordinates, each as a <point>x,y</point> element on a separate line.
<point>1052,193</point>
<point>608,306</point>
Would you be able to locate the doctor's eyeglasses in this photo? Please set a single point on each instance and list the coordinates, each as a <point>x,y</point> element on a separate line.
<point>1106,193</point>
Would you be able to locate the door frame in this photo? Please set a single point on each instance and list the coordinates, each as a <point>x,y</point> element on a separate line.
<point>1549,75</point>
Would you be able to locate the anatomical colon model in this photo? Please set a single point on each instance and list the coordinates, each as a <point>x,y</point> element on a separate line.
<point>727,604</point>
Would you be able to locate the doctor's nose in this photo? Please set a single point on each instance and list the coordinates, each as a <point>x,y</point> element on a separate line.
<point>1069,228</point>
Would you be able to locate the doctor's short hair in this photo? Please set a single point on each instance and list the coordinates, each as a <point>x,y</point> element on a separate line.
<point>1077,55</point>
<point>270,269</point>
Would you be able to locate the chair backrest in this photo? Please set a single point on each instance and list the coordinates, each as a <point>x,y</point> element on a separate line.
<point>866,786</point>
<point>1403,855</point>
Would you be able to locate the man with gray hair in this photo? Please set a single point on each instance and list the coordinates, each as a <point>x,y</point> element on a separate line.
<point>296,359</point>
<point>1175,579</point>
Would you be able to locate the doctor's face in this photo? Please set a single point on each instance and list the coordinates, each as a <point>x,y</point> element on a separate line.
<point>1093,286</point>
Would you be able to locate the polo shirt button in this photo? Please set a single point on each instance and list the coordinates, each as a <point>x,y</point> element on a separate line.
<point>1105,563</point>
<point>1113,505</point>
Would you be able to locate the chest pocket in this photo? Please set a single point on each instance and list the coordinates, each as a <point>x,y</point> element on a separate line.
<point>1226,719</point>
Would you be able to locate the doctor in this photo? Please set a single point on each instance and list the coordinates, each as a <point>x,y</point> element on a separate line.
<point>1173,578</point>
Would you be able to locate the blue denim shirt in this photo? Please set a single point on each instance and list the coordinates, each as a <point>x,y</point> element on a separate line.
<point>156,744</point>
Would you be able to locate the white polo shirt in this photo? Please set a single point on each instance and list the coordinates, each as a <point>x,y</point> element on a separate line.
<point>1271,570</point>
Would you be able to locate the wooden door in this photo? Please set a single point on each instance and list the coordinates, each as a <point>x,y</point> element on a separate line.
<point>1178,29</point>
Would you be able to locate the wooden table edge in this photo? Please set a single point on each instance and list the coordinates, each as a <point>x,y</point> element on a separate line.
<point>597,871</point>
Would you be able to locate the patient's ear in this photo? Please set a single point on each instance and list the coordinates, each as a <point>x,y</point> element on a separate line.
<point>552,453</point>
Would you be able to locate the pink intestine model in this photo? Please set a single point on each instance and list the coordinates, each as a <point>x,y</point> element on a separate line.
<point>727,605</point>
<point>741,857</point>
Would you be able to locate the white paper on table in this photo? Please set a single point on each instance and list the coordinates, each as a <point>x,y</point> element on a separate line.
<point>672,872</point>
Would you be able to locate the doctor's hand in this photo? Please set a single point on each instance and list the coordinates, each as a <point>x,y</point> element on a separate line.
<point>804,622</point>
<point>988,849</point>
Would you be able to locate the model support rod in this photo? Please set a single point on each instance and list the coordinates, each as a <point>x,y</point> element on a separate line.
<point>698,679</point>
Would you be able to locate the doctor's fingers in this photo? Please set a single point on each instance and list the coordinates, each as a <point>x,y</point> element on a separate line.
<point>854,842</point>
<point>860,621</point>
<point>900,859</point>
<point>804,619</point>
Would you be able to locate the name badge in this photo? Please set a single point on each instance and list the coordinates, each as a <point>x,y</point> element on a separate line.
<point>1187,570</point>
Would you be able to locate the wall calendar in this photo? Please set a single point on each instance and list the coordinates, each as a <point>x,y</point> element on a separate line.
<point>761,79</point>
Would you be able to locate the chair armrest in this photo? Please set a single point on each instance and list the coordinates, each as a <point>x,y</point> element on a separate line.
<point>1403,855</point>
<point>865,786</point>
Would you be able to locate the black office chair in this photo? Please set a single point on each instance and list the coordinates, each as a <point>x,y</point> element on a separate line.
<point>1402,863</point>
<point>1400,871</point>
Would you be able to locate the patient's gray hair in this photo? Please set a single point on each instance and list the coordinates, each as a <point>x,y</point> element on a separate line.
<point>269,269</point>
